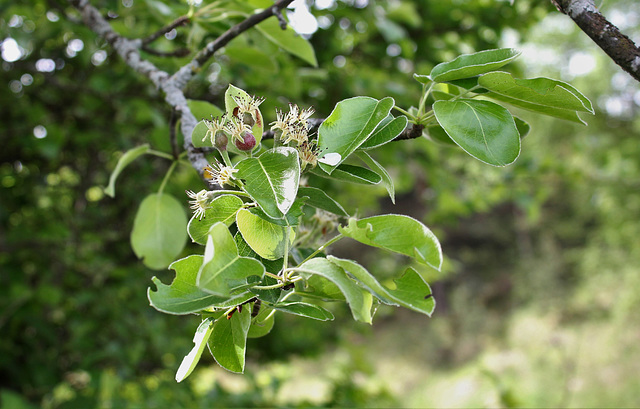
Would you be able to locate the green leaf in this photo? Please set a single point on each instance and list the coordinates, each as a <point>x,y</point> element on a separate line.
<point>272,179</point>
<point>290,219</point>
<point>386,131</point>
<point>316,286</point>
<point>252,57</point>
<point>386,178</point>
<point>221,209</point>
<point>437,134</point>
<point>271,295</point>
<point>469,65</point>
<point>484,130</point>
<point>306,310</point>
<point>128,157</point>
<point>540,91</point>
<point>262,324</point>
<point>199,136</point>
<point>351,173</point>
<point>399,233</point>
<point>203,109</point>
<point>159,230</point>
<point>182,296</point>
<point>228,343</point>
<point>200,340</point>
<point>359,301</point>
<point>523,127</point>
<point>223,270</point>
<point>541,95</point>
<point>230,105</point>
<point>266,239</point>
<point>350,124</point>
<point>318,198</point>
<point>288,40</point>
<point>411,290</point>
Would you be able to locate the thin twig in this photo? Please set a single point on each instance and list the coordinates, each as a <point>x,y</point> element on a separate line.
<point>278,13</point>
<point>164,30</point>
<point>210,49</point>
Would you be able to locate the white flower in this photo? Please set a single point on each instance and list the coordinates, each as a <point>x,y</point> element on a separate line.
<point>219,174</point>
<point>200,202</point>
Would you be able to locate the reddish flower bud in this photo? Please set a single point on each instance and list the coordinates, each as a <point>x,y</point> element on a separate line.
<point>248,143</point>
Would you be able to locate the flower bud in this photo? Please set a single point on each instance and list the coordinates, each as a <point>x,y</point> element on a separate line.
<point>221,141</point>
<point>249,142</point>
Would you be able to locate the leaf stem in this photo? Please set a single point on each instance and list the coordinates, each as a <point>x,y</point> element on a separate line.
<point>166,176</point>
<point>397,108</point>
<point>324,246</point>
<point>160,154</point>
<point>423,100</point>
<point>225,158</point>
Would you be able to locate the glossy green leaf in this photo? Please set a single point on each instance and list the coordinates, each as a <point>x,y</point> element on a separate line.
<point>203,109</point>
<point>318,198</point>
<point>523,127</point>
<point>228,342</point>
<point>262,324</point>
<point>290,219</point>
<point>199,137</point>
<point>411,291</point>
<point>272,179</point>
<point>539,91</point>
<point>469,65</point>
<point>182,296</point>
<point>128,157</point>
<point>159,230</point>
<point>252,57</point>
<point>271,295</point>
<point>200,340</point>
<point>437,134</point>
<point>541,95</point>
<point>223,270</point>
<point>221,209</point>
<point>423,79</point>
<point>288,40</point>
<point>386,131</point>
<point>230,104</point>
<point>349,125</point>
<point>351,173</point>
<point>319,287</point>
<point>266,239</point>
<point>485,130</point>
<point>359,300</point>
<point>306,310</point>
<point>399,233</point>
<point>386,178</point>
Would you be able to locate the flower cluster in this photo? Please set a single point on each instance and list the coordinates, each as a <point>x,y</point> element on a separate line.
<point>238,126</point>
<point>292,126</point>
<point>219,174</point>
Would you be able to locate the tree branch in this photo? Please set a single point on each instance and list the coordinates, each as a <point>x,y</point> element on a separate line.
<point>172,86</point>
<point>618,46</point>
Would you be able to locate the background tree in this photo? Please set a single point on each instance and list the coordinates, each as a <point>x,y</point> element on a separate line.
<point>64,307</point>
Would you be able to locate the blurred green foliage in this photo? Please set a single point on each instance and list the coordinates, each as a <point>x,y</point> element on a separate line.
<point>536,304</point>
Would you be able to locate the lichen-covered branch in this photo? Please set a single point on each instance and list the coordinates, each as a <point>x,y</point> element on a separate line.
<point>171,85</point>
<point>622,50</point>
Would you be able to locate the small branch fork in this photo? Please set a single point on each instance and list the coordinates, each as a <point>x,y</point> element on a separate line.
<point>622,50</point>
<point>171,85</point>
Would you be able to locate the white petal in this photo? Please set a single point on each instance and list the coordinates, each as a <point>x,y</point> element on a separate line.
<point>331,159</point>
